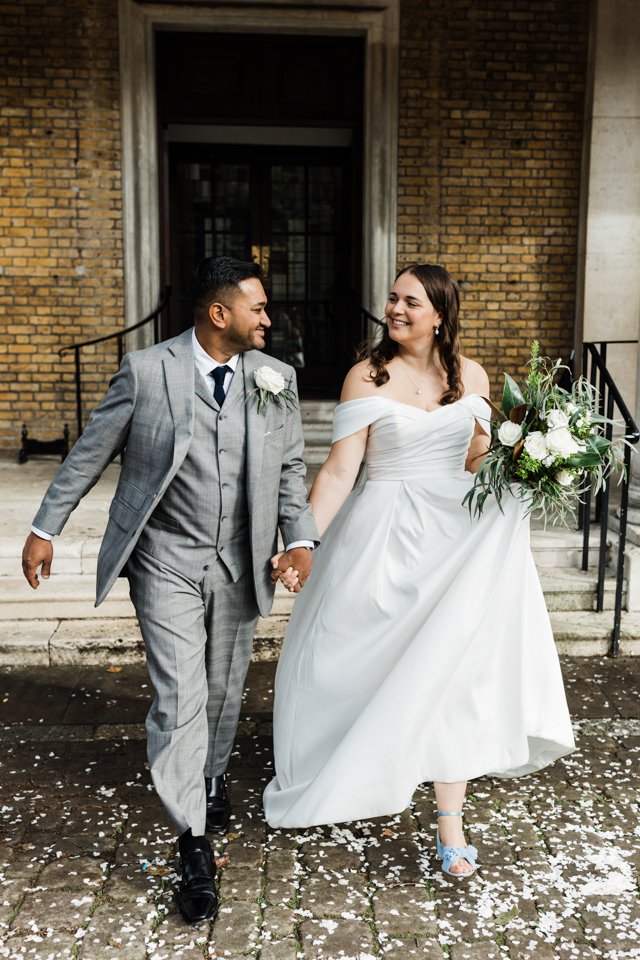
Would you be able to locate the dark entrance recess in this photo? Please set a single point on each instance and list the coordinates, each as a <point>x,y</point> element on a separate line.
<point>261,153</point>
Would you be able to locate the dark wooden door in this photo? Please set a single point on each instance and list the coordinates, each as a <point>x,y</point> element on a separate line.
<point>294,211</point>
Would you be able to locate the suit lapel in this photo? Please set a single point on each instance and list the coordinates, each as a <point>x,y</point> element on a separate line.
<point>179,374</point>
<point>236,387</point>
<point>203,391</point>
<point>255,424</point>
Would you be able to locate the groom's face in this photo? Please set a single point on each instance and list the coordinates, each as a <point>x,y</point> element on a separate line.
<point>245,319</point>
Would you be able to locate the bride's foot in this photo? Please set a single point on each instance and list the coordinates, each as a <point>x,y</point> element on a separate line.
<point>458,858</point>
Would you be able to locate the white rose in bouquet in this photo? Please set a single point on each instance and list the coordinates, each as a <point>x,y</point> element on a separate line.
<point>509,433</point>
<point>557,418</point>
<point>561,443</point>
<point>269,379</point>
<point>565,478</point>
<point>536,445</point>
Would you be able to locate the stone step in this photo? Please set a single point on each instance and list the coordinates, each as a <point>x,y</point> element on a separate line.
<point>582,633</point>
<point>317,433</point>
<point>72,597</point>
<point>571,589</point>
<point>55,640</point>
<point>71,555</point>
<point>317,411</point>
<point>316,456</point>
<point>560,548</point>
<point>102,640</point>
<point>633,529</point>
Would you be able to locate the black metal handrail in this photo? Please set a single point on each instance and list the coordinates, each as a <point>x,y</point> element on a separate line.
<point>119,336</point>
<point>594,368</point>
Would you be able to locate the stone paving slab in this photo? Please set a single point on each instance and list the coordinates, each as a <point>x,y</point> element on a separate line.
<point>88,856</point>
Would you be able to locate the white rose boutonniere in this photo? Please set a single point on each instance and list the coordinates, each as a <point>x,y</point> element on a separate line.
<point>270,387</point>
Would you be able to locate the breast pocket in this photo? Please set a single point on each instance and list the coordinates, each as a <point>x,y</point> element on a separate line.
<point>275,435</point>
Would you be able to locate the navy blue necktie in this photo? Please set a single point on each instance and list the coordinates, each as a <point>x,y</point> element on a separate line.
<point>218,376</point>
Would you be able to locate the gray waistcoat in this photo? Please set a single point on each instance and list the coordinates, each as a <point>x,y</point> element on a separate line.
<point>204,513</point>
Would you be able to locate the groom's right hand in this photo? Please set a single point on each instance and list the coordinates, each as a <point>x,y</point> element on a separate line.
<point>36,552</point>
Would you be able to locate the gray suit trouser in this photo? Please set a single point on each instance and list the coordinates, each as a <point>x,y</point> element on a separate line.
<point>198,639</point>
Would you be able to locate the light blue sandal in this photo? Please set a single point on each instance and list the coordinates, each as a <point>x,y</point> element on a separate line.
<point>450,854</point>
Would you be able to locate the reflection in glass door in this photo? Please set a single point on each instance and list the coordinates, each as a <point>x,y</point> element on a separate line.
<point>291,215</point>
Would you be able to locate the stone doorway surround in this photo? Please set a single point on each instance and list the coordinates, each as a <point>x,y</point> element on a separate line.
<point>376,20</point>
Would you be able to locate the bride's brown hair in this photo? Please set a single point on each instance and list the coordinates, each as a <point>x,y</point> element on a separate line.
<point>444,295</point>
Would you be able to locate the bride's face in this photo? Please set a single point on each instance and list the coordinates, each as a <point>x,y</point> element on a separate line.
<point>410,315</point>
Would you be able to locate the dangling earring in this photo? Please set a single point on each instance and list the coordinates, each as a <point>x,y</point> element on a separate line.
<point>437,331</point>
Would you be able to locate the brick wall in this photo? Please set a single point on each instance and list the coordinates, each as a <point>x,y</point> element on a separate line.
<point>61,256</point>
<point>491,106</point>
<point>491,115</point>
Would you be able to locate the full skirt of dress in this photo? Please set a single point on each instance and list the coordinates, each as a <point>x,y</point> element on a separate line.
<point>421,648</point>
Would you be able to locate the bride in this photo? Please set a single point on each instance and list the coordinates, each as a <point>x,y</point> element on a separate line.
<point>421,650</point>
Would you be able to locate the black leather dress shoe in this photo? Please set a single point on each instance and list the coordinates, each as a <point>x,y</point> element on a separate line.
<point>196,895</point>
<point>218,806</point>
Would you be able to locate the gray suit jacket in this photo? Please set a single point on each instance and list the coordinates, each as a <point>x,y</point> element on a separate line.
<point>148,410</point>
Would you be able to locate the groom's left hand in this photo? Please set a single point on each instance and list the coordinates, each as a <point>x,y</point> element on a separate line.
<point>293,567</point>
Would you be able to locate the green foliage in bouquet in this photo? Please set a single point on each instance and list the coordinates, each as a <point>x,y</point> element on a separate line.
<point>549,447</point>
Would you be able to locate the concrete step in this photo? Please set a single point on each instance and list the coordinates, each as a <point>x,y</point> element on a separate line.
<point>315,433</point>
<point>72,597</point>
<point>633,529</point>
<point>117,640</point>
<point>316,456</point>
<point>102,640</point>
<point>557,548</point>
<point>317,411</point>
<point>570,589</point>
<point>72,555</point>
<point>582,633</point>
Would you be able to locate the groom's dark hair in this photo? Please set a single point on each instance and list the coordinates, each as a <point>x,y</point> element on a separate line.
<point>216,278</point>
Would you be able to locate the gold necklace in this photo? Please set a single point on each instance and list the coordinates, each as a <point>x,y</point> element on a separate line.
<point>418,390</point>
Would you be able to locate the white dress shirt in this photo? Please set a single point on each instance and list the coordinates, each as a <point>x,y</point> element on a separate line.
<point>205,364</point>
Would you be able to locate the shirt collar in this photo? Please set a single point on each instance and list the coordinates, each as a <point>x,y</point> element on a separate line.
<point>204,362</point>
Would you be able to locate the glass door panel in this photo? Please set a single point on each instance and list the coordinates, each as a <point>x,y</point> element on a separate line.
<point>286,209</point>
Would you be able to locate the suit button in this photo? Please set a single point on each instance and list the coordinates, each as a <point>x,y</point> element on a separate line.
<point>224,486</point>
<point>222,519</point>
<point>221,450</point>
<point>220,549</point>
<point>206,566</point>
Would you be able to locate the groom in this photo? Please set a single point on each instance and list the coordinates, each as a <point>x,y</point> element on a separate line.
<point>207,479</point>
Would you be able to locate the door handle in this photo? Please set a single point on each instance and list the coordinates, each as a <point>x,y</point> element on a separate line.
<point>265,262</point>
<point>261,254</point>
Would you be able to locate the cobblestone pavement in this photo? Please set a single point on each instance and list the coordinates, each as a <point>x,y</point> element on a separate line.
<point>89,858</point>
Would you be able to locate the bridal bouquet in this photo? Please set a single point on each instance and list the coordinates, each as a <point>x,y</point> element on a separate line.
<point>549,448</point>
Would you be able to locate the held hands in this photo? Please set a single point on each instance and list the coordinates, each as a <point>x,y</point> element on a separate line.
<point>36,552</point>
<point>293,568</point>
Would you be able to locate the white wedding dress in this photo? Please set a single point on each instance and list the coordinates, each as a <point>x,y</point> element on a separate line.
<point>421,648</point>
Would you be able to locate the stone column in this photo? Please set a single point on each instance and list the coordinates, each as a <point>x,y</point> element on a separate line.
<point>609,256</point>
<point>608,289</point>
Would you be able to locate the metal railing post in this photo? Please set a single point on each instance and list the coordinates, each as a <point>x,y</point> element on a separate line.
<point>617,609</point>
<point>119,336</point>
<point>604,524</point>
<point>609,397</point>
<point>76,354</point>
